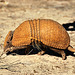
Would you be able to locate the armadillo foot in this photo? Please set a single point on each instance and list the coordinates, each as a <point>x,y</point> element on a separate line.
<point>41,52</point>
<point>63,56</point>
<point>61,52</point>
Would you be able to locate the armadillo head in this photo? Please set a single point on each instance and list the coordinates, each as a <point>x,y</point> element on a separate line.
<point>8,39</point>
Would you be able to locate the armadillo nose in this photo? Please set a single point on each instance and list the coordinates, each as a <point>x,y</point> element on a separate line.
<point>3,55</point>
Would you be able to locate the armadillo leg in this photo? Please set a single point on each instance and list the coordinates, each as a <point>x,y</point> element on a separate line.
<point>14,48</point>
<point>41,52</point>
<point>28,50</point>
<point>61,52</point>
<point>63,55</point>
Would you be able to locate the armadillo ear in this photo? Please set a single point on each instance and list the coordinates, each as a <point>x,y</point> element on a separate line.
<point>8,37</point>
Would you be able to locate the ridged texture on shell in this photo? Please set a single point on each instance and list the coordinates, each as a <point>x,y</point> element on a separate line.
<point>21,35</point>
<point>51,34</point>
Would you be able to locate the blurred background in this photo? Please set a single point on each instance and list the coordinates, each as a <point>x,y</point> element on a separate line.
<point>14,12</point>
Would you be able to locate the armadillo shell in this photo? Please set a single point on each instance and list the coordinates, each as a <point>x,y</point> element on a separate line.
<point>21,35</point>
<point>51,34</point>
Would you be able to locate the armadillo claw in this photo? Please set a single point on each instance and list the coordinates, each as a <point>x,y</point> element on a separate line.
<point>9,49</point>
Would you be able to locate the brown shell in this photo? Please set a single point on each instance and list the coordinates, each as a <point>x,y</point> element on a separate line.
<point>21,35</point>
<point>53,34</point>
<point>47,31</point>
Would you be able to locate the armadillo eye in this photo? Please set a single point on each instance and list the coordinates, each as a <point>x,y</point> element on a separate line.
<point>7,42</point>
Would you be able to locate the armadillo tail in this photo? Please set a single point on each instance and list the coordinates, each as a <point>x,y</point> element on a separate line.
<point>70,48</point>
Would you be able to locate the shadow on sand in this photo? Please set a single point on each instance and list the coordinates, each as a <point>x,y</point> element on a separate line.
<point>48,51</point>
<point>69,26</point>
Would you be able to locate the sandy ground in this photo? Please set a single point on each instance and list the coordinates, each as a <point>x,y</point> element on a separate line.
<point>13,13</point>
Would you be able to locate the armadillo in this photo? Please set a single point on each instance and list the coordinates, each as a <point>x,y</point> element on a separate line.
<point>44,32</point>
